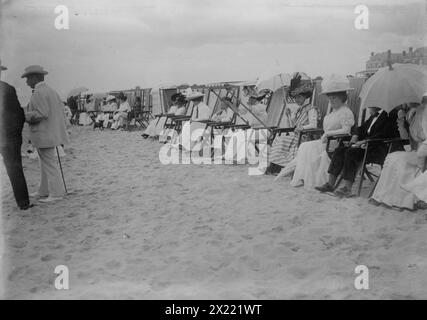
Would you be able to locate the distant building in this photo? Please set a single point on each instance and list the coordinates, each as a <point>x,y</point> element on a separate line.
<point>380,60</point>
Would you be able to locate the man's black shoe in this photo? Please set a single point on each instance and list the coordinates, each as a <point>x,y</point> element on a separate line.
<point>325,188</point>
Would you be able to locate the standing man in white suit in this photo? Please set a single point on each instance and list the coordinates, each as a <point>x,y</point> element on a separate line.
<point>46,119</point>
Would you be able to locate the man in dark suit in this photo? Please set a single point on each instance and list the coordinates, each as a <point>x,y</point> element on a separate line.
<point>347,158</point>
<point>12,119</point>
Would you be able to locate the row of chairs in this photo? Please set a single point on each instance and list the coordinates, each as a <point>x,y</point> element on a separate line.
<point>275,112</point>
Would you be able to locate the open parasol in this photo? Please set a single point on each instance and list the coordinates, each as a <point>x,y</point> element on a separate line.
<point>393,86</point>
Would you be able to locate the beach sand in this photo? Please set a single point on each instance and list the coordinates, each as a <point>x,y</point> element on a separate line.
<point>133,228</point>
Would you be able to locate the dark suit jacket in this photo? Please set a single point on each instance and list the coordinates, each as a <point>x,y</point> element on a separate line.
<point>12,116</point>
<point>384,127</point>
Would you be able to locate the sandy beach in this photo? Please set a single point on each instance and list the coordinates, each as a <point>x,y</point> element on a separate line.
<point>133,228</point>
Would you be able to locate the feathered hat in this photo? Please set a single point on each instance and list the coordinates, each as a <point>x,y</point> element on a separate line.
<point>299,86</point>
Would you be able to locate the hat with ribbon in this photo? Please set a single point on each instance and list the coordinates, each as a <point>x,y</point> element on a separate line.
<point>34,69</point>
<point>334,84</point>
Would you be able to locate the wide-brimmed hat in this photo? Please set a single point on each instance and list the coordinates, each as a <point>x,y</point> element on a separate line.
<point>195,95</point>
<point>35,69</point>
<point>2,67</point>
<point>303,89</point>
<point>121,96</point>
<point>257,96</point>
<point>335,84</point>
<point>110,97</point>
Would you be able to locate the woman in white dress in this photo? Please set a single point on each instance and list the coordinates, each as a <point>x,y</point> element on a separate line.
<point>402,183</point>
<point>312,160</point>
<point>122,113</point>
<point>156,125</point>
<point>178,110</point>
<point>237,142</point>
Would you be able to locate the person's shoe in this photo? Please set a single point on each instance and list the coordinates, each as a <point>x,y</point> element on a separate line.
<point>343,192</point>
<point>50,199</point>
<point>327,187</point>
<point>28,206</point>
<point>36,195</point>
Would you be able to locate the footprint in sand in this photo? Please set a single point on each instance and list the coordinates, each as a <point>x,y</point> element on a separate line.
<point>16,272</point>
<point>47,258</point>
<point>278,229</point>
<point>291,245</point>
<point>72,215</point>
<point>296,221</point>
<point>113,264</point>
<point>18,244</point>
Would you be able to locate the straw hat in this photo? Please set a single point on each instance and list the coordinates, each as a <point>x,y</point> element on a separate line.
<point>257,96</point>
<point>195,95</point>
<point>35,69</point>
<point>110,97</point>
<point>335,84</point>
<point>2,67</point>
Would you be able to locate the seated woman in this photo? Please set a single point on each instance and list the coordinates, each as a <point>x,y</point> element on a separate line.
<point>156,125</point>
<point>285,146</point>
<point>224,114</point>
<point>193,131</point>
<point>257,118</point>
<point>312,160</point>
<point>401,183</point>
<point>107,109</point>
<point>179,109</point>
<point>122,113</point>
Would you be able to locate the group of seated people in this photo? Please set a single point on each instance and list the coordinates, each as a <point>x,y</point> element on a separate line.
<point>317,162</point>
<point>113,115</point>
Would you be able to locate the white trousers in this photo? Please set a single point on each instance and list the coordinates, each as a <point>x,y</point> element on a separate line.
<point>51,182</point>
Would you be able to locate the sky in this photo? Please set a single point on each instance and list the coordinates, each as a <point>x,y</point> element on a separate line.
<point>114,45</point>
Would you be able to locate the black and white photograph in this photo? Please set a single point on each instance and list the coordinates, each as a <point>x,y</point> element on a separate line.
<point>215,150</point>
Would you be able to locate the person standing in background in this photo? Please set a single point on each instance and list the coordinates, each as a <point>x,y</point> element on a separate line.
<point>47,131</point>
<point>12,121</point>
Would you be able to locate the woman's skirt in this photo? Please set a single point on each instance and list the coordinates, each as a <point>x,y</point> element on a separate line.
<point>311,165</point>
<point>151,128</point>
<point>400,170</point>
<point>284,149</point>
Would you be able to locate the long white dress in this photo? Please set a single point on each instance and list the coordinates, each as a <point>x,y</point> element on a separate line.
<point>401,183</point>
<point>418,187</point>
<point>169,134</point>
<point>312,161</point>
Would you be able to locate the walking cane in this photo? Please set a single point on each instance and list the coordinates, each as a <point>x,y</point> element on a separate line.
<point>62,172</point>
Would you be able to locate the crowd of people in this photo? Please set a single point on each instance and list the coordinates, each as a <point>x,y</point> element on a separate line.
<point>113,113</point>
<point>318,161</point>
<point>313,160</point>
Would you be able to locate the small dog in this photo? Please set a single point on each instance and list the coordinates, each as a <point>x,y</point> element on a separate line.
<point>98,124</point>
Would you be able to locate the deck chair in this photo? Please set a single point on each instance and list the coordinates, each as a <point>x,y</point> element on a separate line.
<point>392,144</point>
<point>177,121</point>
<point>322,103</point>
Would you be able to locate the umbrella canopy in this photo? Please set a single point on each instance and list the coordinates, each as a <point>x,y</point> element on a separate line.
<point>275,82</point>
<point>99,95</point>
<point>389,88</point>
<point>77,91</point>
